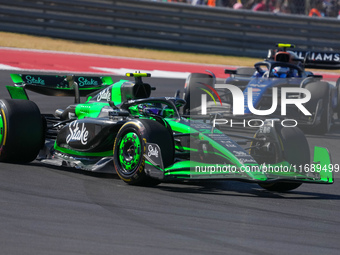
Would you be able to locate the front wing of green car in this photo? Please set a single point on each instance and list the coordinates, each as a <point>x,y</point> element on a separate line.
<point>319,171</point>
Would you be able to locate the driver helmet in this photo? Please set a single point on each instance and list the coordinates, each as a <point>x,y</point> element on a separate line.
<point>150,108</point>
<point>280,72</point>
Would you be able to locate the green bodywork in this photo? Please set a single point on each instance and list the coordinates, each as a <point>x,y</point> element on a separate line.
<point>92,109</point>
<point>89,110</point>
<point>116,93</point>
<point>17,92</point>
<point>188,169</point>
<point>81,153</point>
<point>2,128</point>
<point>16,78</point>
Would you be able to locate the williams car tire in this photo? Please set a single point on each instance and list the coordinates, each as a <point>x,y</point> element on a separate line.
<point>130,146</point>
<point>22,131</point>
<point>192,94</point>
<point>320,90</point>
<point>294,149</point>
<point>337,109</point>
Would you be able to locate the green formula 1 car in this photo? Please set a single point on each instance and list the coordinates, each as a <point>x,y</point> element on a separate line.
<point>121,129</point>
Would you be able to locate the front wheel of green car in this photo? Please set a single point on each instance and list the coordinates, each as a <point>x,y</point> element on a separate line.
<point>129,148</point>
<point>294,146</point>
<point>21,131</point>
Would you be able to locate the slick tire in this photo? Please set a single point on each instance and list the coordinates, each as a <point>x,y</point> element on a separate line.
<point>295,151</point>
<point>22,131</point>
<point>320,90</point>
<point>192,93</point>
<point>337,109</point>
<point>130,146</point>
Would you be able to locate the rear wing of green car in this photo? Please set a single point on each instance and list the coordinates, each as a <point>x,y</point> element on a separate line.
<point>56,85</point>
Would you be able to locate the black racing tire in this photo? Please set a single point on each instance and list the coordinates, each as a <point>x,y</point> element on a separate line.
<point>295,148</point>
<point>320,90</point>
<point>192,95</point>
<point>280,186</point>
<point>337,109</point>
<point>22,131</point>
<point>130,145</point>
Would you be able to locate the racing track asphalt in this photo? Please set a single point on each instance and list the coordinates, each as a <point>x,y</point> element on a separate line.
<point>46,210</point>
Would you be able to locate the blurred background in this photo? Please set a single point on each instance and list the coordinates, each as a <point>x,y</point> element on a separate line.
<point>223,27</point>
<point>321,8</point>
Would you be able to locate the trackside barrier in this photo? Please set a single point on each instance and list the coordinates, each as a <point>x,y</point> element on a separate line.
<point>170,26</point>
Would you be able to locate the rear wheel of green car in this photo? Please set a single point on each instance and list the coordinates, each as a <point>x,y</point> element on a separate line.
<point>130,146</point>
<point>21,131</point>
<point>294,146</point>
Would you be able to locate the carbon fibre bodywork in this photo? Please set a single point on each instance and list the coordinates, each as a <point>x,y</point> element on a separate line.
<point>112,126</point>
